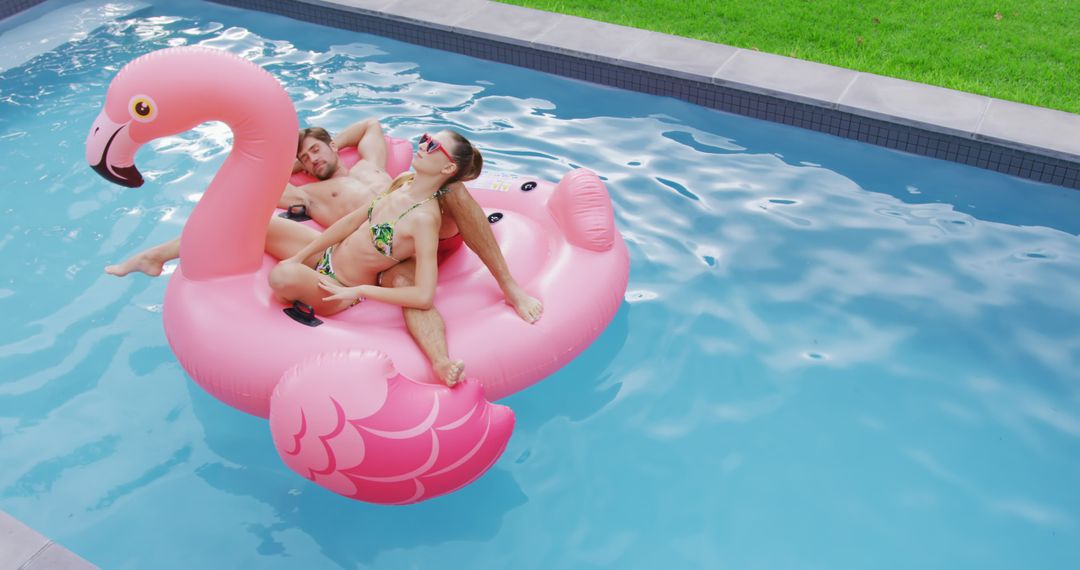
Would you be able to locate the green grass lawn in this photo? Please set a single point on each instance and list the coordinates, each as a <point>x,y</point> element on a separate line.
<point>1020,51</point>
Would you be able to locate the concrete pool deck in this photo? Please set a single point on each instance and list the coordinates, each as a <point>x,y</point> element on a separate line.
<point>1021,140</point>
<point>21,548</point>
<point>1012,138</point>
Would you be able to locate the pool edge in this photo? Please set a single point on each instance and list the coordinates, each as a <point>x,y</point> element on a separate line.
<point>1012,138</point>
<point>24,548</point>
<point>1020,140</point>
<point>9,8</point>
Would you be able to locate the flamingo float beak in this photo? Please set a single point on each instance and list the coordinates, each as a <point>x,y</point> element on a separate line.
<point>110,151</point>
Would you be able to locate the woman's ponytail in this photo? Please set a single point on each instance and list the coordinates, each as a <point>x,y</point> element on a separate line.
<point>467,158</point>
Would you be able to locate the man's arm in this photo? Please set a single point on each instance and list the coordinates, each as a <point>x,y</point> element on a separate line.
<point>350,136</point>
<point>476,232</point>
<point>292,196</point>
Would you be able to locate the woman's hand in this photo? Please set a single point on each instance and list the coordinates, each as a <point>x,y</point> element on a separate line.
<point>338,292</point>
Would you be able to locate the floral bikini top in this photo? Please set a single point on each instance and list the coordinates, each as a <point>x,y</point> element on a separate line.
<point>382,235</point>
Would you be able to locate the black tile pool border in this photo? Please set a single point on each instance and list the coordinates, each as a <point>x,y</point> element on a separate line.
<point>12,7</point>
<point>880,132</point>
<point>978,153</point>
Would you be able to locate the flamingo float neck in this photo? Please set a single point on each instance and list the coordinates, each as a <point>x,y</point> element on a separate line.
<point>173,90</point>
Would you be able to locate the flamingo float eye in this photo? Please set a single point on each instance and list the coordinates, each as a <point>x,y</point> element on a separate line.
<point>142,108</point>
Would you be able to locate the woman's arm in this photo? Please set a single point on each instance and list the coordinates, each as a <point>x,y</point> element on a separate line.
<point>335,234</point>
<point>422,293</point>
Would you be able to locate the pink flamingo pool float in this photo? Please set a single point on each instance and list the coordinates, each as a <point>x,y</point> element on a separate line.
<point>352,403</point>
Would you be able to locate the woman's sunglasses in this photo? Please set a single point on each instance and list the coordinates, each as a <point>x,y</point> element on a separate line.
<point>432,146</point>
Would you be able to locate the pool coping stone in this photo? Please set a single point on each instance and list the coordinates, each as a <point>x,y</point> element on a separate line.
<point>1013,138</point>
<point>22,548</point>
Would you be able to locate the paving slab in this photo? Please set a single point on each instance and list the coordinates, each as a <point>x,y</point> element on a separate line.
<point>23,548</point>
<point>587,39</point>
<point>672,55</point>
<point>18,542</point>
<point>916,104</point>
<point>437,15</point>
<point>495,22</point>
<point>1034,128</point>
<point>373,6</point>
<point>785,77</point>
<point>56,557</point>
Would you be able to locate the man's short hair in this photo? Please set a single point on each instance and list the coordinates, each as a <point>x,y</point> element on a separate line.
<point>318,133</point>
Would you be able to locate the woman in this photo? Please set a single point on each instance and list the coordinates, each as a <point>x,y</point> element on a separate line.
<point>340,267</point>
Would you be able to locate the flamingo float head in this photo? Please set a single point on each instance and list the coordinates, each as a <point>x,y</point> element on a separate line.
<point>151,97</point>
<point>173,90</point>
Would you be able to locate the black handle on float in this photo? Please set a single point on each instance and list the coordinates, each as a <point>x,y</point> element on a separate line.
<point>296,213</point>
<point>303,314</point>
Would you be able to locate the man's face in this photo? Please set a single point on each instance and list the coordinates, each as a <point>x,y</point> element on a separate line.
<point>318,158</point>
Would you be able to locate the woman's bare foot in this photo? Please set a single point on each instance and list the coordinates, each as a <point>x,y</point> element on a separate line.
<point>450,371</point>
<point>143,262</point>
<point>529,308</point>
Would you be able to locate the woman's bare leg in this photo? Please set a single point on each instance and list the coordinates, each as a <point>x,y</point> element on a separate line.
<point>426,327</point>
<point>149,261</point>
<point>476,231</point>
<point>293,281</point>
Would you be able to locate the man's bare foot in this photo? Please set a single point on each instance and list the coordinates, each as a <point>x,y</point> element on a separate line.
<point>144,262</point>
<point>450,371</point>
<point>529,308</point>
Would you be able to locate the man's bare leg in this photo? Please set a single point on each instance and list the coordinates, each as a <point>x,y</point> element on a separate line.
<point>426,327</point>
<point>149,261</point>
<point>476,232</point>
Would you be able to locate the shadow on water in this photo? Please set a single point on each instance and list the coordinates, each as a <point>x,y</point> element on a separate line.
<point>579,389</point>
<point>349,532</point>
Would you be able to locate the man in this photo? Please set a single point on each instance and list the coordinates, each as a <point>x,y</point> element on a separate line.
<point>339,191</point>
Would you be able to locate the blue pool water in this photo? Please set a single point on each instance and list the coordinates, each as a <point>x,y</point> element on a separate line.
<point>831,355</point>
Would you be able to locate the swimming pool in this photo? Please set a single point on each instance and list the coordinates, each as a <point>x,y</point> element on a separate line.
<point>831,355</point>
